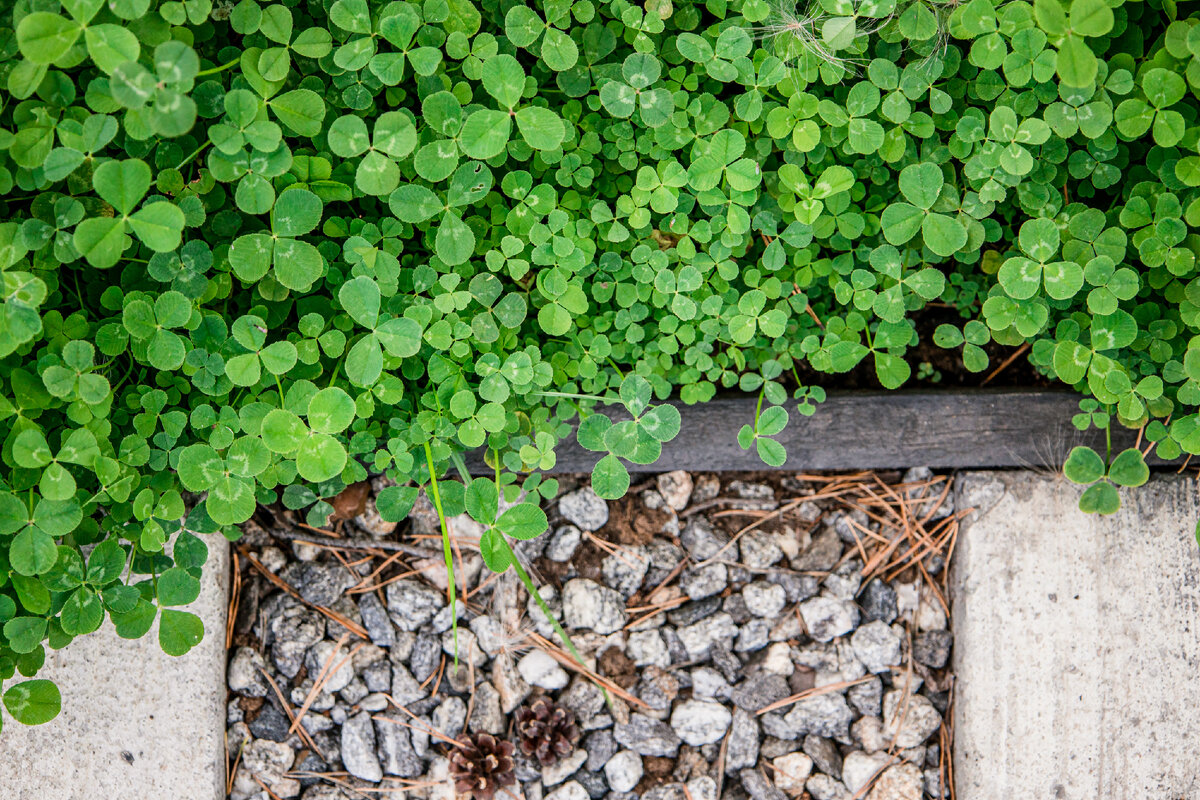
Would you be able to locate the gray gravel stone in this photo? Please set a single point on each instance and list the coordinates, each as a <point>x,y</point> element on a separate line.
<point>411,604</point>
<point>703,541</point>
<point>764,599</point>
<point>600,746</point>
<point>791,771</point>
<point>867,697</point>
<point>539,669</point>
<point>701,637</point>
<point>759,550</point>
<point>932,648</point>
<point>358,748</point>
<point>584,509</point>
<point>571,790</point>
<point>698,722</point>
<point>878,601</point>
<point>294,628</point>
<point>395,747</point>
<point>827,618</point>
<point>376,621</point>
<point>647,648</point>
<point>823,787</point>
<point>758,787</point>
<point>587,604</point>
<point>624,770</point>
<point>898,782</point>
<point>271,723</point>
<point>319,584</point>
<point>245,675</point>
<point>450,717</point>
<point>706,581</point>
<point>821,555</point>
<point>858,768</point>
<point>563,543</point>
<point>486,716</point>
<point>759,691</point>
<point>824,753</point>
<point>426,655</point>
<point>647,736</point>
<point>796,587</point>
<point>341,668</point>
<point>877,646</point>
<point>564,768</point>
<point>742,748</point>
<point>826,715</point>
<point>911,722</point>
<point>625,570</point>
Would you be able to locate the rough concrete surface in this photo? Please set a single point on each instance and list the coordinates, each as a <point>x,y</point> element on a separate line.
<point>136,723</point>
<point>1077,643</point>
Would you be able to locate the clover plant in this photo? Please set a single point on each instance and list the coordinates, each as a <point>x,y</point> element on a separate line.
<point>253,251</point>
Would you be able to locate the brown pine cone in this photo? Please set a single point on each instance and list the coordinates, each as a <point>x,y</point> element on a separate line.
<point>546,731</point>
<point>482,765</point>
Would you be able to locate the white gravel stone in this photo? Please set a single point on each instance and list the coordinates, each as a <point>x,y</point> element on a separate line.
<point>877,646</point>
<point>537,668</point>
<point>327,652</point>
<point>587,604</point>
<point>647,648</point>
<point>564,768</point>
<point>827,618</point>
<point>764,599</point>
<point>676,488</point>
<point>624,770</point>
<point>900,782</point>
<point>584,509</point>
<point>791,771</point>
<point>571,790</point>
<point>911,722</point>
<point>778,659</point>
<point>563,543</point>
<point>358,748</point>
<point>699,723</point>
<point>858,768</point>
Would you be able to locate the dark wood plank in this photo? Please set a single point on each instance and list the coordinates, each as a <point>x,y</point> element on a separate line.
<point>877,430</point>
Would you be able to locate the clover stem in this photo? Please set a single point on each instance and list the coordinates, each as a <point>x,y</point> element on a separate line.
<point>446,554</point>
<point>336,368</point>
<point>192,155</point>
<point>1108,442</point>
<point>574,396</point>
<point>222,68</point>
<point>758,408</point>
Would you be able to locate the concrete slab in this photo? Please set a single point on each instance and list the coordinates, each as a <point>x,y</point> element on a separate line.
<point>136,722</point>
<point>1077,643</point>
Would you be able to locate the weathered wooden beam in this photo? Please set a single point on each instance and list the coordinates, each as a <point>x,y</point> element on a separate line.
<point>961,429</point>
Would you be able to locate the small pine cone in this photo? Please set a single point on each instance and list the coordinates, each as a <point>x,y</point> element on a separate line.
<point>546,730</point>
<point>482,766</point>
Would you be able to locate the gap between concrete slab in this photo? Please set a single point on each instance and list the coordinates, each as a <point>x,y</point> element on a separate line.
<point>1077,642</point>
<point>136,722</point>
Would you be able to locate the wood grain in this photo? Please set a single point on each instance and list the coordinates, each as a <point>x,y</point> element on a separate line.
<point>977,428</point>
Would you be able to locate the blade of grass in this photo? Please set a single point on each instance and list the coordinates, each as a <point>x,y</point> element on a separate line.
<point>446,551</point>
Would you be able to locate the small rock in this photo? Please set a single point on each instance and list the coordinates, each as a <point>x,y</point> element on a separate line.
<point>823,714</point>
<point>822,554</point>
<point>702,540</point>
<point>699,639</point>
<point>584,509</point>
<point>758,787</point>
<point>827,618</point>
<point>699,723</point>
<point>587,604</point>
<point>877,646</point>
<point>868,732</point>
<point>742,748</point>
<point>932,648</point>
<point>450,717</point>
<point>395,747</point>
<point>844,582</point>
<point>791,771</point>
<point>796,587</point>
<point>647,736</point>
<point>705,581</point>
<point>326,657</point>
<point>858,768</point>
<point>571,790</point>
<point>245,676</point>
<point>411,604</point>
<point>823,787</point>
<point>867,697</point>
<point>539,669</point>
<point>319,584</point>
<point>406,690</point>
<point>778,659</point>
<point>759,691</point>
<point>647,648</point>
<point>910,722</point>
<point>376,621</point>
<point>358,748</point>
<point>563,543</point>
<point>759,550</point>
<point>899,782</point>
<point>878,601</point>
<point>564,768</point>
<point>600,746</point>
<point>271,724</point>
<point>486,716</point>
<point>824,754</point>
<point>675,488</point>
<point>269,762</point>
<point>294,628</point>
<point>372,523</point>
<point>764,599</point>
<point>624,770</point>
<point>625,570</point>
<point>930,615</point>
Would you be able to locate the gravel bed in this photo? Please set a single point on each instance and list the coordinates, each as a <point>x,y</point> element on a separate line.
<point>743,652</point>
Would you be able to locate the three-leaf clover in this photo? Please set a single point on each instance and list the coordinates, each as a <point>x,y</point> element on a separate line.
<point>1085,467</point>
<point>123,184</point>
